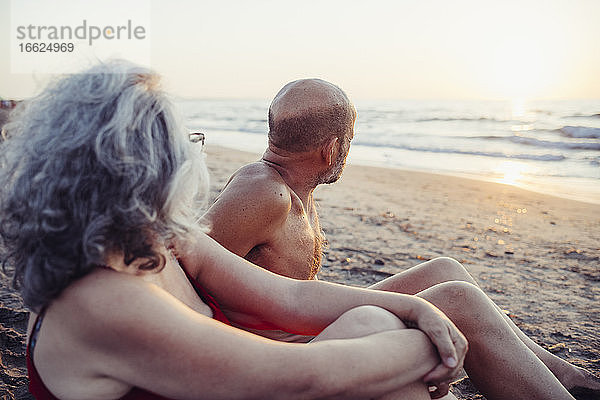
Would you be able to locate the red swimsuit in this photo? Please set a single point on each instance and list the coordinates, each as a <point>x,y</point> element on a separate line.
<point>41,392</point>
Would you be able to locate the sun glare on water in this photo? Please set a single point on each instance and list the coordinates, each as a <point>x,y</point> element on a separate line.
<point>511,172</point>
<point>517,107</point>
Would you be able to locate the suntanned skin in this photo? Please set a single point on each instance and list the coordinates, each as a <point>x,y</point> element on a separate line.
<point>118,327</point>
<point>289,239</point>
<point>266,214</point>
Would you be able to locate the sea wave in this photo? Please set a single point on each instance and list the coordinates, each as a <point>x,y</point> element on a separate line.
<point>529,141</point>
<point>580,132</point>
<point>468,119</point>
<point>583,116</point>
<point>498,154</point>
<point>551,144</point>
<point>254,127</point>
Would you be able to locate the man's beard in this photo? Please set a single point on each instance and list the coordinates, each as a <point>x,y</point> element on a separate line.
<point>336,171</point>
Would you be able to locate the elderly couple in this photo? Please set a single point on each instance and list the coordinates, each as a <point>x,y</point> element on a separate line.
<point>131,298</point>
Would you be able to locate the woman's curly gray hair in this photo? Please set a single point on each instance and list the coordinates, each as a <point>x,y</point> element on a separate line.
<point>96,164</point>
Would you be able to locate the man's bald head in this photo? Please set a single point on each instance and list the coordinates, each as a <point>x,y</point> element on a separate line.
<point>307,112</point>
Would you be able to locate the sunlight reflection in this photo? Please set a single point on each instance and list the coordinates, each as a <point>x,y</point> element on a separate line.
<point>517,107</point>
<point>511,172</point>
<point>521,128</point>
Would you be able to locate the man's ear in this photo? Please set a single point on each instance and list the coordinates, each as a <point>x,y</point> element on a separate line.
<point>328,150</point>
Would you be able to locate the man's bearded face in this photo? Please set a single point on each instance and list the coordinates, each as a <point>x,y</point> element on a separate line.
<point>340,162</point>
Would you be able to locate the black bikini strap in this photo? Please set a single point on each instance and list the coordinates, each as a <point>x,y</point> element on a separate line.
<point>36,329</point>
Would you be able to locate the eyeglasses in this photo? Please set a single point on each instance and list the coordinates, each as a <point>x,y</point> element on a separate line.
<point>197,137</point>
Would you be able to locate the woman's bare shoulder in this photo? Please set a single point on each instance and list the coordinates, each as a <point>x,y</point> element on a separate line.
<point>117,326</point>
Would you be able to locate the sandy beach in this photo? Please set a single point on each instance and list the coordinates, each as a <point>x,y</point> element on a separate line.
<point>536,256</point>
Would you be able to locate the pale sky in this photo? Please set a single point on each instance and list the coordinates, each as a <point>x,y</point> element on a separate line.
<point>433,49</point>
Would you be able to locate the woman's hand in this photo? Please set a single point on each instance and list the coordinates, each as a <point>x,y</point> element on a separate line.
<point>450,343</point>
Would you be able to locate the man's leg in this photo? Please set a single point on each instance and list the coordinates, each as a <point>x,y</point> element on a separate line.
<point>498,362</point>
<point>368,320</point>
<point>425,275</point>
<point>443,269</point>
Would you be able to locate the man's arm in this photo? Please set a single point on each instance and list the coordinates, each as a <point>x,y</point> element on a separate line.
<point>251,207</point>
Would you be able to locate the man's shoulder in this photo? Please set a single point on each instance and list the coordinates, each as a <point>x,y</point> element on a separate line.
<point>250,209</point>
<point>260,180</point>
<point>257,188</point>
<point>260,172</point>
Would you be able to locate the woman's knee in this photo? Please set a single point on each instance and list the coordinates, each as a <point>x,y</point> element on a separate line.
<point>373,318</point>
<point>449,270</point>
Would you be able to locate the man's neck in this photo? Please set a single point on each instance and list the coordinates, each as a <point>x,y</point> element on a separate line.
<point>296,169</point>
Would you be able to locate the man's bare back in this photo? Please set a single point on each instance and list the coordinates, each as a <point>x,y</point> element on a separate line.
<point>259,217</point>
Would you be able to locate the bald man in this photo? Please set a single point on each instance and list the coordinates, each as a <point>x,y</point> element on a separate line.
<point>266,212</point>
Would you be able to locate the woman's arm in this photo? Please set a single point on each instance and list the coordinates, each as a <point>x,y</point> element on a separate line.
<point>135,332</point>
<point>252,296</point>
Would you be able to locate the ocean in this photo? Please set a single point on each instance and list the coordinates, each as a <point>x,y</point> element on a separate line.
<point>550,147</point>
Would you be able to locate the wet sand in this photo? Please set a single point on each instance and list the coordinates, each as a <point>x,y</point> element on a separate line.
<point>536,256</point>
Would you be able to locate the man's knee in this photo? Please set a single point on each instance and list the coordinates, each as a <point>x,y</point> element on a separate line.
<point>366,320</point>
<point>456,297</point>
<point>449,269</point>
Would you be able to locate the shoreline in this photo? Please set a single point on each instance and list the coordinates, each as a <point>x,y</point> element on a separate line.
<point>591,197</point>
